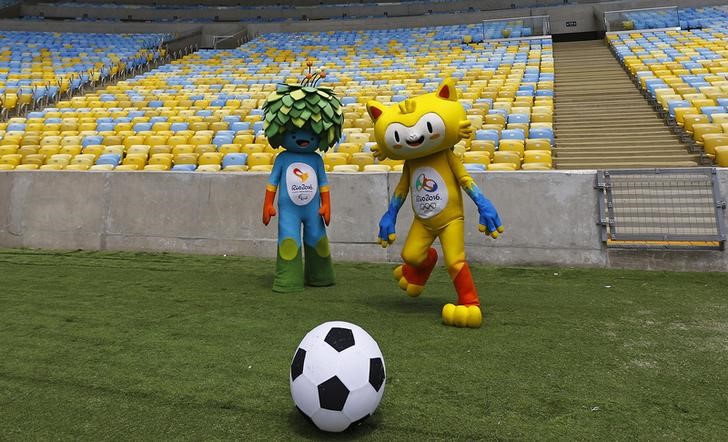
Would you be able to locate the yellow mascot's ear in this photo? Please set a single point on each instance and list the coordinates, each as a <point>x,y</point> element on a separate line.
<point>375,109</point>
<point>446,90</point>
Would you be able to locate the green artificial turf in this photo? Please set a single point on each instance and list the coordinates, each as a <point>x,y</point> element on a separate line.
<point>141,346</point>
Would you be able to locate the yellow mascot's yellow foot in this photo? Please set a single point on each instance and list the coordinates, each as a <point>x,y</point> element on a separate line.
<point>412,290</point>
<point>462,316</point>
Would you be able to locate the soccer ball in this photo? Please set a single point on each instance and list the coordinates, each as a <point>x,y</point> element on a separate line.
<point>337,375</point>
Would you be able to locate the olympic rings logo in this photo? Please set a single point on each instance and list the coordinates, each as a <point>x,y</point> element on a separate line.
<point>426,184</point>
<point>428,206</point>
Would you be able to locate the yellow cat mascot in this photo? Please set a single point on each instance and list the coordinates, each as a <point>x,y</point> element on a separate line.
<point>422,131</point>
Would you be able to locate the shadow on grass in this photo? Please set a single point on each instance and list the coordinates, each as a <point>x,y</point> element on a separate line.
<point>304,428</point>
<point>398,302</point>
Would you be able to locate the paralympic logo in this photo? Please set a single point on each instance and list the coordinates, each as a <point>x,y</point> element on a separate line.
<point>426,184</point>
<point>300,174</point>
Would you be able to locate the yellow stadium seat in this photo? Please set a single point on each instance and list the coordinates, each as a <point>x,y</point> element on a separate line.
<point>132,140</point>
<point>205,148</point>
<point>87,159</point>
<point>60,158</point>
<point>138,159</point>
<point>162,148</point>
<point>118,150</point>
<point>52,166</point>
<point>244,139</point>
<point>24,166</point>
<point>477,157</point>
<point>137,149</point>
<point>507,157</point>
<point>361,159</point>
<point>6,166</point>
<point>94,149</point>
<point>349,148</point>
<point>183,148</point>
<point>185,158</point>
<point>377,168</point>
<point>78,167</point>
<point>483,146</point>
<point>261,168</point>
<point>176,140</point>
<point>358,137</point>
<point>210,158</point>
<point>502,166</point>
<point>74,149</point>
<point>102,167</point>
<point>253,148</point>
<point>235,168</point>
<point>345,168</point>
<point>496,119</point>
<point>11,158</point>
<point>155,168</point>
<point>680,112</point>
<point>512,146</point>
<point>53,140</point>
<point>34,158</point>
<point>691,120</point>
<point>712,141</point>
<point>230,148</point>
<point>156,140</point>
<point>332,159</point>
<point>9,149</point>
<point>536,166</point>
<point>208,168</point>
<point>259,159</point>
<point>721,156</point>
<point>28,150</point>
<point>112,140</point>
<point>127,168</point>
<point>538,144</point>
<point>537,156</point>
<point>702,129</point>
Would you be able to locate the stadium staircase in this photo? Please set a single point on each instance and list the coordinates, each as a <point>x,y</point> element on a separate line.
<point>601,119</point>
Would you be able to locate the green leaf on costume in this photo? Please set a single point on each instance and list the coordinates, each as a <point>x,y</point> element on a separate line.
<point>298,94</point>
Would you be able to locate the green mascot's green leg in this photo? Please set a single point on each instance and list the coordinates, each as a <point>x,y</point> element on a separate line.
<point>289,267</point>
<point>319,272</point>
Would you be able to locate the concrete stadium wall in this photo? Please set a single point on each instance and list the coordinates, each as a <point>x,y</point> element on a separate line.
<point>550,217</point>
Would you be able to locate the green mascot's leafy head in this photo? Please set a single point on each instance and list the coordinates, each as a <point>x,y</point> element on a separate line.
<point>306,107</point>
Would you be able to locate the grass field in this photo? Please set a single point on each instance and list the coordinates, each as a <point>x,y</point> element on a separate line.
<point>140,346</point>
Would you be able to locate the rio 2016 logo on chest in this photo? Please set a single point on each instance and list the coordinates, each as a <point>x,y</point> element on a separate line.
<point>301,183</point>
<point>429,193</point>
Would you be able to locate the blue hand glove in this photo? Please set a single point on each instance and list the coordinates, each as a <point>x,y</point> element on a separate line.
<point>386,229</point>
<point>488,221</point>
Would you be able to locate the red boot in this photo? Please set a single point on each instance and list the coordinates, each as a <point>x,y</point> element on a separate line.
<point>412,279</point>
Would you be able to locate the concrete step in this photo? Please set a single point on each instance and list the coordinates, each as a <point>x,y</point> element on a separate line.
<point>607,142</point>
<point>581,133</point>
<point>608,164</point>
<point>616,153</point>
<point>602,120</point>
<point>561,161</point>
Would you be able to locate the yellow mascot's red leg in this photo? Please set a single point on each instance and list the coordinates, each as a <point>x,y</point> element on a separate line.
<point>420,274</point>
<point>467,312</point>
<point>465,287</point>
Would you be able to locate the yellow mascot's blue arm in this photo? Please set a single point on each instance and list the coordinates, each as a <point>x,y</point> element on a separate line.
<point>389,219</point>
<point>489,222</point>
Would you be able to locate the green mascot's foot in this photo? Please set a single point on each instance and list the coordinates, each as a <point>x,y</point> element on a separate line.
<point>319,271</point>
<point>289,267</point>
